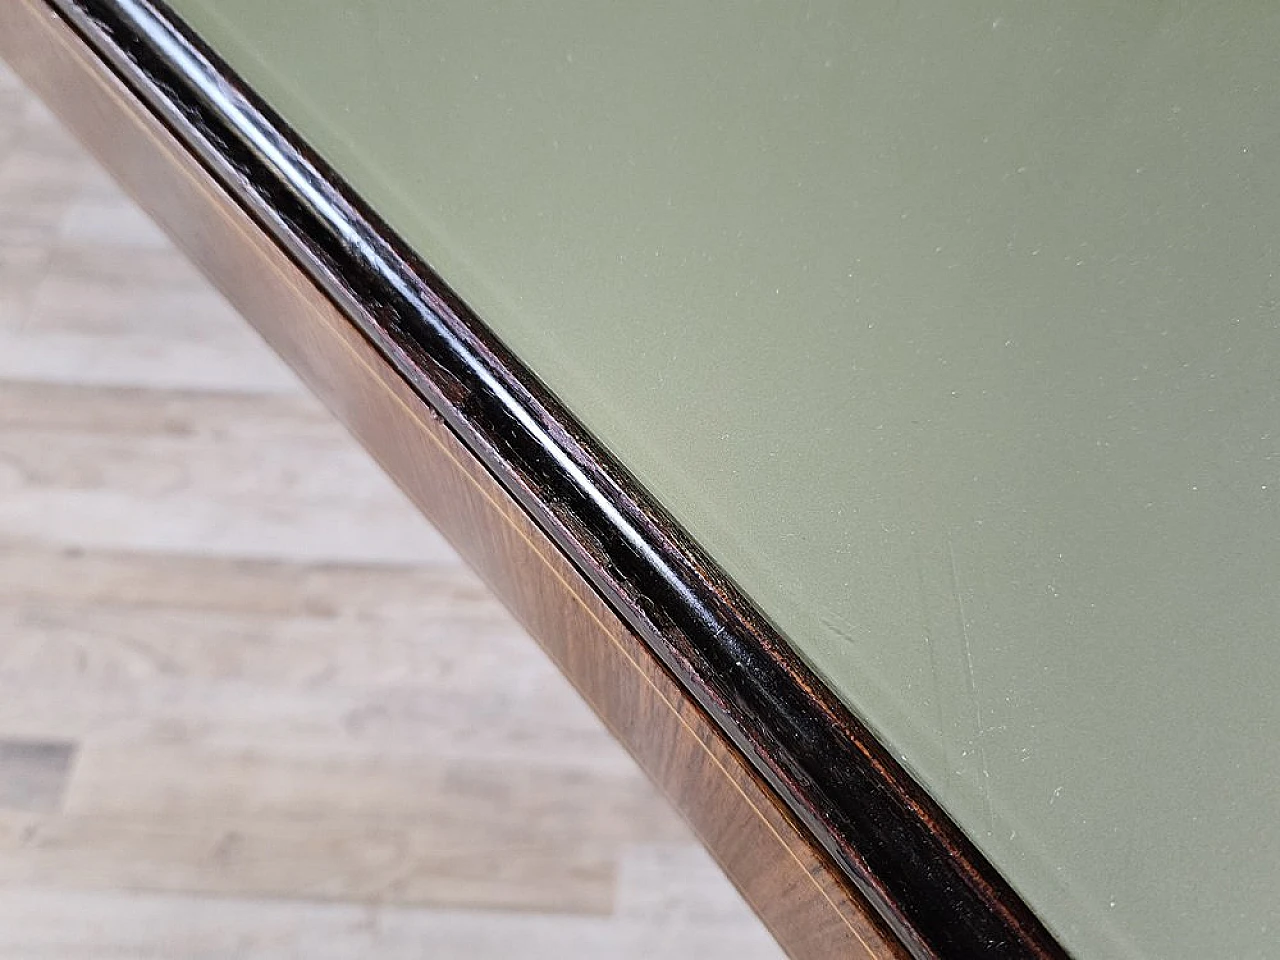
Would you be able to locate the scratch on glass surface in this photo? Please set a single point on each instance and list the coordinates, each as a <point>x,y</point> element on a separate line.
<point>971,689</point>
<point>936,672</point>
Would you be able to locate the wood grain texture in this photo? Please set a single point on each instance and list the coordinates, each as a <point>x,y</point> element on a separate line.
<point>803,899</point>
<point>919,872</point>
<point>366,725</point>
<point>92,925</point>
<point>33,773</point>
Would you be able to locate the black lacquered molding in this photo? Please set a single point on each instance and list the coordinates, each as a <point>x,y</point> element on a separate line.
<point>925,879</point>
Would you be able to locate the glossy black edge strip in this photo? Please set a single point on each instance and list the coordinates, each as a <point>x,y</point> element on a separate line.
<point>927,881</point>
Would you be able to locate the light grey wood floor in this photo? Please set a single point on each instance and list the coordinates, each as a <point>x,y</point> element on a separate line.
<point>251,705</point>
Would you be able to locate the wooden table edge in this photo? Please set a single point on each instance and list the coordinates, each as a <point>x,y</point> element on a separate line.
<point>802,898</point>
<point>591,564</point>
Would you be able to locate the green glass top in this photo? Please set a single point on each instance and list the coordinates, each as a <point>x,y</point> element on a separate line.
<point>949,329</point>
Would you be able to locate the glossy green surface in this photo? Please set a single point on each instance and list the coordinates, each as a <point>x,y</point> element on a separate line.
<point>949,329</point>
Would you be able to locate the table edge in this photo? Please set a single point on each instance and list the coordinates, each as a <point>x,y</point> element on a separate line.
<point>923,877</point>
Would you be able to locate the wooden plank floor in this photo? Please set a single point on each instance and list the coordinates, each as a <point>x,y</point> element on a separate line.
<point>251,705</point>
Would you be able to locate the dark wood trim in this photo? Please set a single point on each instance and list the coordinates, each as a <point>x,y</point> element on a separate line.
<point>802,896</point>
<point>804,899</point>
<point>923,878</point>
